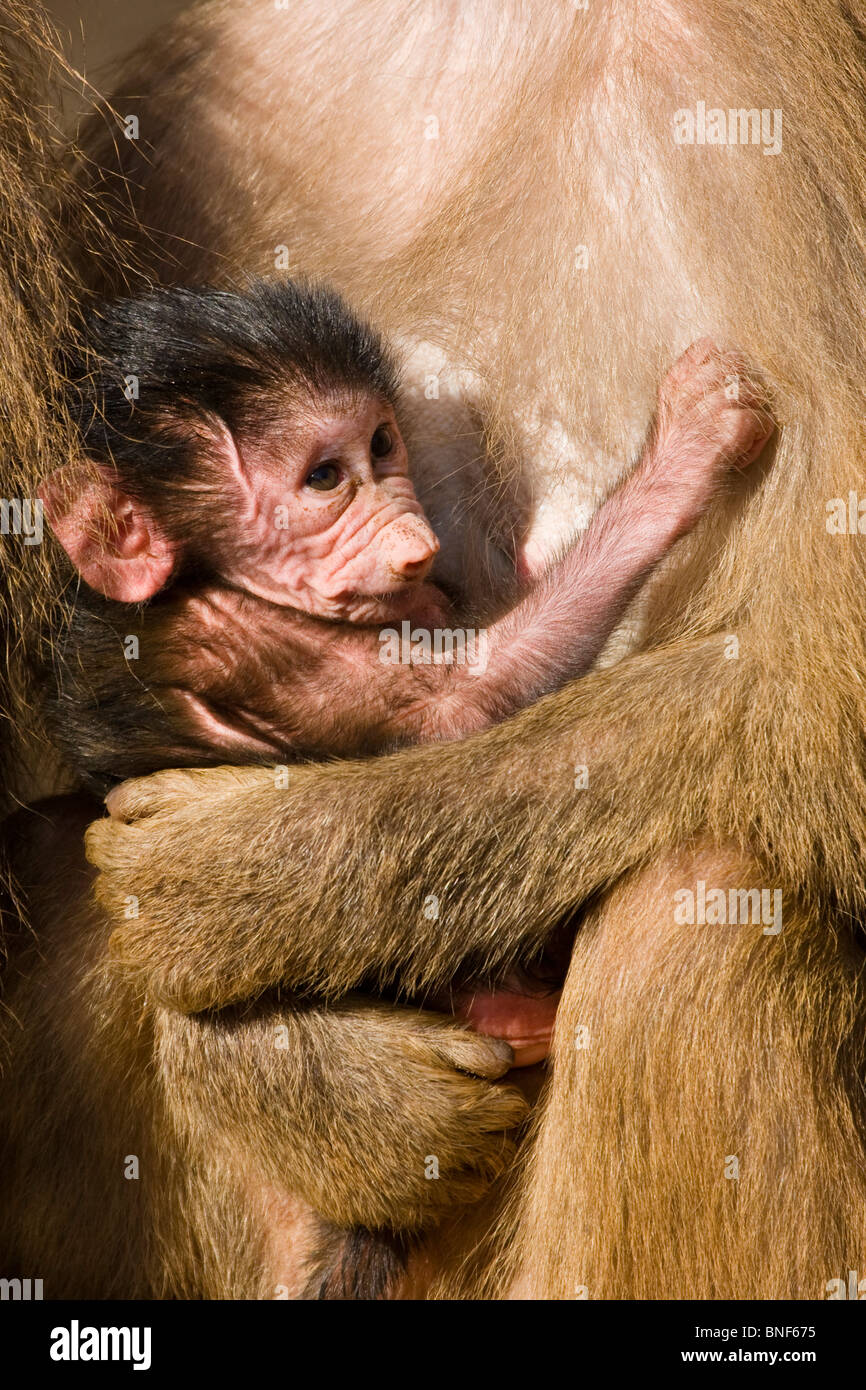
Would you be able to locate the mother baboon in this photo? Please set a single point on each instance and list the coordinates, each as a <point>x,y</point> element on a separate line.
<point>545,204</point>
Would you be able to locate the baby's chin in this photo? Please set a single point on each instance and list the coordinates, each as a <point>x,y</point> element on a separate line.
<point>423,605</point>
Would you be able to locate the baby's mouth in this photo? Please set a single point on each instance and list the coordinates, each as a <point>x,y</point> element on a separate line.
<point>424,604</point>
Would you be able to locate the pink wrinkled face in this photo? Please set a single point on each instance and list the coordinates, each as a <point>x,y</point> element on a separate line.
<point>327,518</point>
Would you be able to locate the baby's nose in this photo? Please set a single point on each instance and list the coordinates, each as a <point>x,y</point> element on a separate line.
<point>411,549</point>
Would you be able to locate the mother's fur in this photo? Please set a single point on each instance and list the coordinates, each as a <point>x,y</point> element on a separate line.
<point>549,252</point>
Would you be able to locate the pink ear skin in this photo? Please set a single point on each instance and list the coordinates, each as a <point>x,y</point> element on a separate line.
<point>116,546</point>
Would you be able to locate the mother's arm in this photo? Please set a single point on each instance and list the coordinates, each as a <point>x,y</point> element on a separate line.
<point>409,867</point>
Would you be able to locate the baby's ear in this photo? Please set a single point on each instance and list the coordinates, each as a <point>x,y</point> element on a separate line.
<point>115,544</point>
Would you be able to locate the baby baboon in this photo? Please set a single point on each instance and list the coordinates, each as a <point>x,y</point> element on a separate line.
<point>253,489</point>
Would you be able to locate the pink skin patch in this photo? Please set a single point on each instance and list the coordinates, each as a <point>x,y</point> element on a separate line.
<point>525,1021</point>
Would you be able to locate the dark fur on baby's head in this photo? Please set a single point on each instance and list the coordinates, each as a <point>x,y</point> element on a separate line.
<point>248,357</point>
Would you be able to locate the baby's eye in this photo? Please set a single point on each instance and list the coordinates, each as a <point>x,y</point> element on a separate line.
<point>381,443</point>
<point>324,478</point>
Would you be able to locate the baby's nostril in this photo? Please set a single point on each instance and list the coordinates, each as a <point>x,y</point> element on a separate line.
<point>412,569</point>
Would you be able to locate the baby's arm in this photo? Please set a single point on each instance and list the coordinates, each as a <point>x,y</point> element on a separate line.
<point>556,632</point>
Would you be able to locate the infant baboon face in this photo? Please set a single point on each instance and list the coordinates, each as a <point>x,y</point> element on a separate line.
<point>260,448</point>
<point>328,520</point>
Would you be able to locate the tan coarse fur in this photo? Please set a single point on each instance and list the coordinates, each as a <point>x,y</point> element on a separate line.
<point>703,1135</point>
<point>734,764</point>
<point>33,310</point>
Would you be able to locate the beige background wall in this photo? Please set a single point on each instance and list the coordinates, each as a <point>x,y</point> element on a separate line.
<point>98,32</point>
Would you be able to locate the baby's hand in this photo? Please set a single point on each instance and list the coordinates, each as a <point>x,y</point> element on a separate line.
<point>712,416</point>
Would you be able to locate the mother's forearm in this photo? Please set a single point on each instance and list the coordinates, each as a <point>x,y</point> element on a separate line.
<point>409,867</point>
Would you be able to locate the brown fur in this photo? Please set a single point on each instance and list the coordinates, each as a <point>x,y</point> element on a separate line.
<point>558,135</point>
<point>33,310</point>
<point>703,1043</point>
